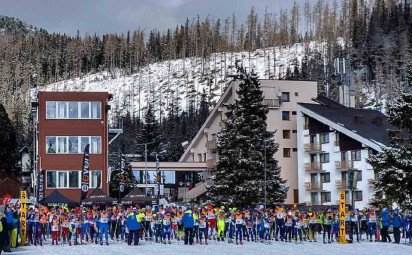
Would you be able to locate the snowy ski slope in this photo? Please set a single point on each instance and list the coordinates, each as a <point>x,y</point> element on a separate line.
<point>185,79</point>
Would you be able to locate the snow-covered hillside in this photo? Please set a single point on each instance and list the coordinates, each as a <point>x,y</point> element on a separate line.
<point>185,79</point>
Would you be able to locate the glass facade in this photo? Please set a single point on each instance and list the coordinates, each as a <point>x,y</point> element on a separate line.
<point>73,110</point>
<point>72,179</point>
<point>73,144</point>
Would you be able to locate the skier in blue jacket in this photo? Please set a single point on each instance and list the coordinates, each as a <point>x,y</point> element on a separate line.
<point>397,224</point>
<point>386,221</point>
<point>188,223</point>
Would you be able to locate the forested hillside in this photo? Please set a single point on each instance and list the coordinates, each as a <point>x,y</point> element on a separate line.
<point>374,36</point>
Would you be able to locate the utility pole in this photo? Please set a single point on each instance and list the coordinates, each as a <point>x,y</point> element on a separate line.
<point>145,161</point>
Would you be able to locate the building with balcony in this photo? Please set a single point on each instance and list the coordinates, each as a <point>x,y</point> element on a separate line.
<point>336,140</point>
<point>282,98</point>
<point>66,123</point>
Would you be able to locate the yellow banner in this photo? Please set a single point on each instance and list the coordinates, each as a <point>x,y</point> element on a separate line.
<point>23,211</point>
<point>342,213</point>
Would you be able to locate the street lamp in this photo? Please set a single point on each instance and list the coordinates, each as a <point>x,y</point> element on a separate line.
<point>145,160</point>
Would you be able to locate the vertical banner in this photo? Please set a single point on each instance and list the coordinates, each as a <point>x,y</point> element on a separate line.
<point>121,178</point>
<point>158,177</point>
<point>85,172</point>
<point>40,183</point>
<point>23,211</point>
<point>342,222</point>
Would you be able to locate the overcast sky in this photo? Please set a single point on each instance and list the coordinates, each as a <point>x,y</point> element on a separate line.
<point>102,16</point>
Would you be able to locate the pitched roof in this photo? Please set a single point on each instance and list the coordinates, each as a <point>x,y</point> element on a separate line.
<point>136,196</point>
<point>370,124</point>
<point>56,198</point>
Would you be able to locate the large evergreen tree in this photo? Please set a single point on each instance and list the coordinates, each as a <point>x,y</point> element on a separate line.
<point>239,176</point>
<point>8,144</point>
<point>129,180</point>
<point>392,166</point>
<point>149,133</point>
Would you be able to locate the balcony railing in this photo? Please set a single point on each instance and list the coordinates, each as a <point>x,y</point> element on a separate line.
<point>344,165</point>
<point>313,147</point>
<point>313,167</point>
<point>342,185</point>
<point>271,103</point>
<point>312,186</point>
<point>211,164</point>
<point>211,145</point>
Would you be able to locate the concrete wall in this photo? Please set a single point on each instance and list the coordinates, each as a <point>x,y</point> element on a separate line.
<point>299,92</point>
<point>330,167</point>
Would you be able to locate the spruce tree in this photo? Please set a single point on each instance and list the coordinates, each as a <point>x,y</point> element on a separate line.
<point>392,166</point>
<point>8,144</point>
<point>150,134</point>
<point>239,175</point>
<point>129,181</point>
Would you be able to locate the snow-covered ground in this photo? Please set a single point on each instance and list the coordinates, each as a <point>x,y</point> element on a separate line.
<point>159,82</point>
<point>214,248</point>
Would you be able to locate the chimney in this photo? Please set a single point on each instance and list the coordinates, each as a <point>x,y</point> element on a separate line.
<point>346,96</point>
<point>358,119</point>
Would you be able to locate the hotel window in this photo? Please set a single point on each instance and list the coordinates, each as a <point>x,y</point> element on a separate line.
<point>295,131</point>
<point>325,177</point>
<point>62,179</point>
<point>84,140</point>
<point>96,110</point>
<point>358,175</point>
<point>84,110</point>
<point>74,179</point>
<point>286,152</point>
<point>313,158</point>
<point>326,197</point>
<point>285,97</point>
<point>169,177</point>
<point>61,144</point>
<point>96,145</point>
<point>73,110</point>
<point>70,179</point>
<point>314,197</point>
<point>358,196</point>
<point>356,155</point>
<point>286,134</point>
<point>324,157</point>
<point>95,179</point>
<point>51,179</point>
<point>73,144</point>
<point>296,94</point>
<point>294,112</point>
<point>51,144</point>
<point>51,110</point>
<point>61,110</point>
<point>324,138</point>
<point>285,115</point>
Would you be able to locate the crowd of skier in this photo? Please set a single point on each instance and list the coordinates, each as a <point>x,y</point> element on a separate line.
<point>199,224</point>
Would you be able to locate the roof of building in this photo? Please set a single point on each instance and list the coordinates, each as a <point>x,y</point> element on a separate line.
<point>223,99</point>
<point>370,124</point>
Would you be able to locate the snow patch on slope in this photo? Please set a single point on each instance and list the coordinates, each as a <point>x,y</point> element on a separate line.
<point>160,82</point>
